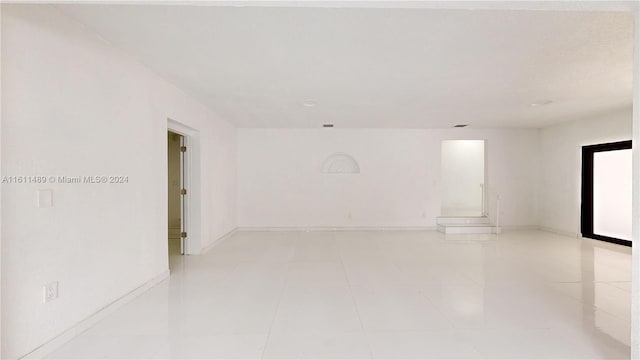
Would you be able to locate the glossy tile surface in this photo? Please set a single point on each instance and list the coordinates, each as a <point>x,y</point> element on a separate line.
<point>384,294</point>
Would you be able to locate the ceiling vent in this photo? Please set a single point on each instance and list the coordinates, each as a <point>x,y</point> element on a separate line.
<point>310,103</point>
<point>541,103</point>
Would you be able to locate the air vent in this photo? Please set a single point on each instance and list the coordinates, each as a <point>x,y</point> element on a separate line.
<point>310,103</point>
<point>327,125</point>
<point>541,103</point>
<point>461,125</point>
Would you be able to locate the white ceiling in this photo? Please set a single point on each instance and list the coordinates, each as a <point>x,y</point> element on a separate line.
<point>380,67</point>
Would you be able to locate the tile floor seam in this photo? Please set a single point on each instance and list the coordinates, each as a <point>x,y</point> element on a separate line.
<point>280,297</point>
<point>581,302</point>
<point>353,299</point>
<point>443,313</point>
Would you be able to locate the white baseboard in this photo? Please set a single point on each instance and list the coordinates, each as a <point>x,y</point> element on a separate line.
<point>337,228</point>
<point>218,240</point>
<point>520,227</point>
<point>53,344</point>
<point>560,232</point>
<point>368,228</point>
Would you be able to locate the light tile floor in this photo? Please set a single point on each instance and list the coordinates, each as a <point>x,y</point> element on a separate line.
<point>402,294</point>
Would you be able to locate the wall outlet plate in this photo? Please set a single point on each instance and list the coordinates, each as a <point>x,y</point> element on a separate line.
<point>50,292</point>
<point>45,198</point>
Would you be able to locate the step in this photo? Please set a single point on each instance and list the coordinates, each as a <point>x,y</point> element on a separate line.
<point>467,228</point>
<point>462,220</point>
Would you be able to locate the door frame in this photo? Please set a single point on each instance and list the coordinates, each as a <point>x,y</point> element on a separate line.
<point>191,210</point>
<point>586,208</point>
<point>484,206</point>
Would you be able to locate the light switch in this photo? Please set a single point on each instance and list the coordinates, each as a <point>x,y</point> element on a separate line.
<point>45,198</point>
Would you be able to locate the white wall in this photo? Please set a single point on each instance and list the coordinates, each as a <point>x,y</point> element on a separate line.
<point>561,152</point>
<point>73,105</point>
<point>635,250</point>
<point>1,112</point>
<point>280,183</point>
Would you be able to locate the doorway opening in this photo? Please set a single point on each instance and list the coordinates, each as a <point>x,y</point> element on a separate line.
<point>176,193</point>
<point>606,211</point>
<point>463,178</point>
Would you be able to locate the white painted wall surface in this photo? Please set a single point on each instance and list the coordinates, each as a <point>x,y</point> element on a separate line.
<point>280,183</point>
<point>635,250</point>
<point>612,193</point>
<point>561,165</point>
<point>1,112</point>
<point>462,177</point>
<point>74,105</point>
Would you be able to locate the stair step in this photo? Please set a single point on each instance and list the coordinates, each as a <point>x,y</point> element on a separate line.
<point>462,220</point>
<point>467,228</point>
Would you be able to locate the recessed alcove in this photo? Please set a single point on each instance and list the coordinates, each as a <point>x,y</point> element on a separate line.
<point>340,163</point>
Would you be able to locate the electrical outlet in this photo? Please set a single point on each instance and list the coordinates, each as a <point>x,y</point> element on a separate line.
<point>45,198</point>
<point>50,292</point>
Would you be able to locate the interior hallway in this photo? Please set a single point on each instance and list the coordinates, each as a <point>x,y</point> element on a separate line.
<point>404,294</point>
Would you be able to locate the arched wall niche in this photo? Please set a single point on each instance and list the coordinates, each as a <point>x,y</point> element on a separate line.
<point>340,163</point>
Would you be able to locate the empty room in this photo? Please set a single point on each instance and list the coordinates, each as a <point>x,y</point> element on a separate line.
<point>320,180</point>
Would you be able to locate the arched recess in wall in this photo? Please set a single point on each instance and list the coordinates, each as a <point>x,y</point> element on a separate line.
<point>340,163</point>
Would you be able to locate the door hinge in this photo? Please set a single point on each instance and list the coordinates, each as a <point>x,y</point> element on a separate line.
<point>183,149</point>
<point>183,234</point>
<point>183,192</point>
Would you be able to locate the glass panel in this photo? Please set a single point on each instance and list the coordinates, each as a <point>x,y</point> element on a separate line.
<point>612,194</point>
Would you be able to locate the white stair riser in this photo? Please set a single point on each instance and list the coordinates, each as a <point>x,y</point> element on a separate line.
<point>462,220</point>
<point>452,229</point>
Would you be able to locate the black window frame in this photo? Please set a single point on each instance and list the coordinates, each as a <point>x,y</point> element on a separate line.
<point>586,215</point>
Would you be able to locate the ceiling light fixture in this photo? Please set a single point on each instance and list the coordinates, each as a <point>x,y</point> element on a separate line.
<point>541,103</point>
<point>460,125</point>
<point>309,103</point>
